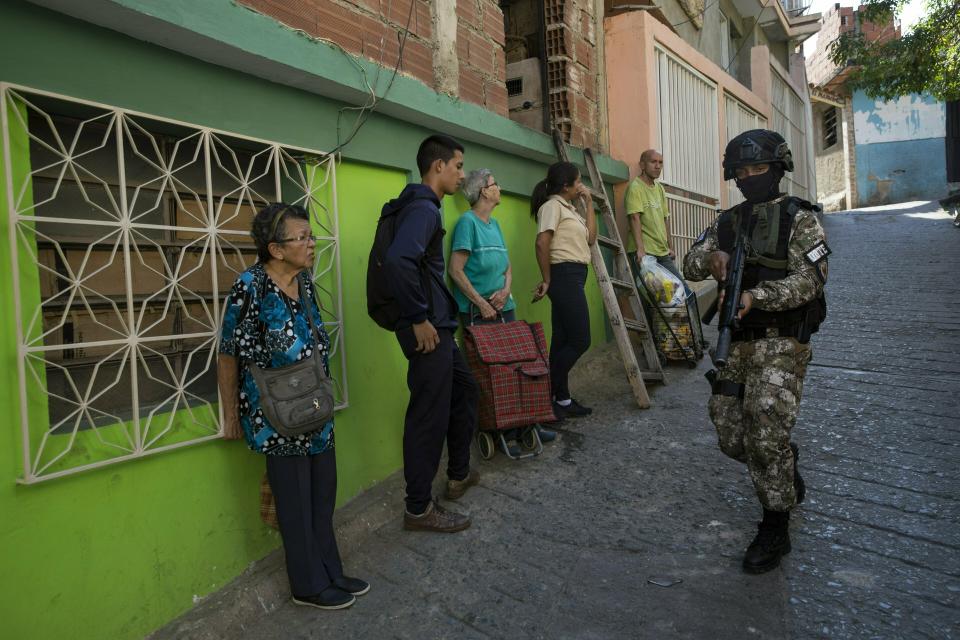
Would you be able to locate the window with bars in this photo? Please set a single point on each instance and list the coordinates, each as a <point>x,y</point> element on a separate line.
<point>739,118</point>
<point>688,120</point>
<point>829,127</point>
<point>129,229</point>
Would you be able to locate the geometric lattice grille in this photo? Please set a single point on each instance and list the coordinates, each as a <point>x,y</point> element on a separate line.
<point>126,232</point>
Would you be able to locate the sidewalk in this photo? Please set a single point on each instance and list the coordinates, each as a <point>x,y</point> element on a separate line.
<point>633,524</point>
<point>567,545</point>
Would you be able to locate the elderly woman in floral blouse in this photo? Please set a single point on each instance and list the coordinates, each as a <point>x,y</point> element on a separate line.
<point>266,324</point>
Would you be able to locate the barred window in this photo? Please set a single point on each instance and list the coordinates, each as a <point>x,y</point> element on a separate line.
<point>129,230</point>
<point>829,128</point>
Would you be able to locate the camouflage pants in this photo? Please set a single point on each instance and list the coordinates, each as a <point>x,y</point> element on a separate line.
<point>755,429</point>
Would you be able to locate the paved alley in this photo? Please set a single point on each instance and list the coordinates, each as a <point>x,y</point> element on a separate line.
<point>633,524</point>
<point>877,547</point>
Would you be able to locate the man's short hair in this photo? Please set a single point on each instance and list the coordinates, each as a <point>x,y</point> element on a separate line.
<point>645,156</point>
<point>436,147</point>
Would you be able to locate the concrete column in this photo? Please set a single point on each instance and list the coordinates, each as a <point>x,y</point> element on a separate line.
<point>849,154</point>
<point>446,64</point>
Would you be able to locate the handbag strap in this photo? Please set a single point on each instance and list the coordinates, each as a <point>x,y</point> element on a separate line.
<point>473,317</point>
<point>306,305</point>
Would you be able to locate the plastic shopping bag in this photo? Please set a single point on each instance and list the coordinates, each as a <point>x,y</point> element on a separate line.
<point>666,289</point>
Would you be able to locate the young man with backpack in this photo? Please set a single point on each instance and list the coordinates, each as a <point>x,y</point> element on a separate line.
<point>407,293</point>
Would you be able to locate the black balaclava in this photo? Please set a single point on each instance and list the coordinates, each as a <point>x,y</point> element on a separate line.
<point>766,186</point>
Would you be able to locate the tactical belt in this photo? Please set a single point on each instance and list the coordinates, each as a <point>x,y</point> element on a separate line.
<point>759,333</point>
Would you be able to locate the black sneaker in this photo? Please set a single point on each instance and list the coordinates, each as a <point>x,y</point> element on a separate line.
<point>353,586</point>
<point>572,410</point>
<point>329,598</point>
<point>799,486</point>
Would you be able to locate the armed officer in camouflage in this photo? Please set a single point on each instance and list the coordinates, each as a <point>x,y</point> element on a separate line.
<point>755,398</point>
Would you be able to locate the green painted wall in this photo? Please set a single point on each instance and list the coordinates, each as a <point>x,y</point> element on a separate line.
<point>119,551</point>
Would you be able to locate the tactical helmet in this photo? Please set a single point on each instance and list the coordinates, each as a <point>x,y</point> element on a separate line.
<point>757,146</point>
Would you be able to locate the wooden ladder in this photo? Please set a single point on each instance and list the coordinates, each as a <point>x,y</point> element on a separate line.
<point>619,291</point>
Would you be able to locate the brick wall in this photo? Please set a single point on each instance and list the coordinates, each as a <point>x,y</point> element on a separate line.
<point>480,43</point>
<point>364,27</point>
<point>820,69</point>
<point>370,28</point>
<point>573,74</point>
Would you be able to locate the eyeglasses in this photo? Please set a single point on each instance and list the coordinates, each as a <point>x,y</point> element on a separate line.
<point>297,240</point>
<point>492,184</point>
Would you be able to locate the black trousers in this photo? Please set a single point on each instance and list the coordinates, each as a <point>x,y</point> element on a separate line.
<point>570,317</point>
<point>443,405</point>
<point>305,490</point>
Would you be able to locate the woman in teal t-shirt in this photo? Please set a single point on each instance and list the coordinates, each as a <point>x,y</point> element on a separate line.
<point>479,264</point>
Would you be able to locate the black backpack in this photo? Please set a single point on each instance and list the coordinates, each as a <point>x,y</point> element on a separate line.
<point>381,304</point>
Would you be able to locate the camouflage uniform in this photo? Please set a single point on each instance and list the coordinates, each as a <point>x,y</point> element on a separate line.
<point>755,428</point>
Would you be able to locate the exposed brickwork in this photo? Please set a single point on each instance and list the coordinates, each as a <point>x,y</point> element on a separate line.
<point>821,71</point>
<point>573,75</point>
<point>480,41</point>
<point>370,28</point>
<point>365,27</point>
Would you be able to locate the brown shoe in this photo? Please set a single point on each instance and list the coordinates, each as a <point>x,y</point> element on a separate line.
<point>436,518</point>
<point>456,488</point>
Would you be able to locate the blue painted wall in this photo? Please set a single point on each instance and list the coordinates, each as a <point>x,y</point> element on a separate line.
<point>891,172</point>
<point>901,153</point>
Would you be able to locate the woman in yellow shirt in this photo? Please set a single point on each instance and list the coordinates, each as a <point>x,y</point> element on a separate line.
<point>563,253</point>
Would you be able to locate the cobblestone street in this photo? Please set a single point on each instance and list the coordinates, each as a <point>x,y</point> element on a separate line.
<point>876,547</point>
<point>633,524</point>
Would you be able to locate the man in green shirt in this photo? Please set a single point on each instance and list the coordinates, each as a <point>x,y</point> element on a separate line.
<point>649,216</point>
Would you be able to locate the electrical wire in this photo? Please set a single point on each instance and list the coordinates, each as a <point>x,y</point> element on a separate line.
<point>743,44</point>
<point>373,100</point>
<point>367,109</point>
<point>702,14</point>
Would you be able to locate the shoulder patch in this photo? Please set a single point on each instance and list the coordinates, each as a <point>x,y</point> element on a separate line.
<point>819,252</point>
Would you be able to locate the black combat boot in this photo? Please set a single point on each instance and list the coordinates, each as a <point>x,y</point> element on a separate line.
<point>798,485</point>
<point>772,542</point>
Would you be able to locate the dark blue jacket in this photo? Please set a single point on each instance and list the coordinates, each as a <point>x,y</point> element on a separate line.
<point>419,239</point>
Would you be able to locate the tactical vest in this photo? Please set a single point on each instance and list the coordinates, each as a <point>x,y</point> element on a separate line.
<point>766,260</point>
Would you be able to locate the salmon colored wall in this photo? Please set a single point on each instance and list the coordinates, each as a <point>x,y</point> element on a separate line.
<point>632,88</point>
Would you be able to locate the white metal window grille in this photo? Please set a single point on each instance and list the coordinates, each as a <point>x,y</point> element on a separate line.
<point>126,231</point>
<point>688,219</point>
<point>789,120</point>
<point>739,118</point>
<point>688,119</point>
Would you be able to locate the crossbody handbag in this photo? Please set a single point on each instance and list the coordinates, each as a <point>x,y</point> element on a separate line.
<point>297,398</point>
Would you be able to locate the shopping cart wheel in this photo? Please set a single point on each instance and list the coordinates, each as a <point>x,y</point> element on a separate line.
<point>485,444</point>
<point>529,439</point>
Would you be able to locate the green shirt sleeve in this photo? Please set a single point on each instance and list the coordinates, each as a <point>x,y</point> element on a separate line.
<point>463,235</point>
<point>633,202</point>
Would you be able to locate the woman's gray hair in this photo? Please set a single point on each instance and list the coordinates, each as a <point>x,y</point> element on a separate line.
<point>474,183</point>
